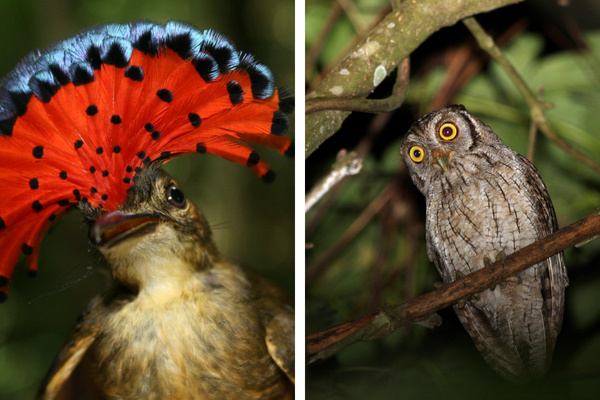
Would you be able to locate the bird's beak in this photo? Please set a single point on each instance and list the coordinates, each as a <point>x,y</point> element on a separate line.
<point>441,158</point>
<point>116,226</point>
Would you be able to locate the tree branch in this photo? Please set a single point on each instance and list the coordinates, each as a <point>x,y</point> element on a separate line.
<point>422,308</point>
<point>537,108</point>
<point>366,105</point>
<point>345,165</point>
<point>390,42</point>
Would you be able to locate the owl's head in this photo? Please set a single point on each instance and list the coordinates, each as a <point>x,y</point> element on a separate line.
<point>448,144</point>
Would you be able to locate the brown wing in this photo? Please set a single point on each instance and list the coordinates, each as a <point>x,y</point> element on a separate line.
<point>70,376</point>
<point>281,343</point>
<point>278,318</point>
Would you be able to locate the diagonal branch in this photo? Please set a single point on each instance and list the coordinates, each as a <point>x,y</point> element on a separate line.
<point>421,309</point>
<point>390,42</point>
<point>537,108</point>
<point>365,105</point>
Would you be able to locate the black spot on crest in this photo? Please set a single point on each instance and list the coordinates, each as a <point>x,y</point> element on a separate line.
<point>253,158</point>
<point>268,177</point>
<point>116,56</point>
<point>195,119</point>
<point>91,110</point>
<point>38,151</point>
<point>37,206</point>
<point>34,184</point>
<point>290,151</point>
<point>82,73</point>
<point>135,73</point>
<point>78,144</point>
<point>181,44</point>
<point>165,95</point>
<point>26,249</point>
<point>236,93</point>
<point>115,119</point>
<point>94,57</point>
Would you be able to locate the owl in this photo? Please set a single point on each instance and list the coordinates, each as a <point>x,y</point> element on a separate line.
<point>485,201</point>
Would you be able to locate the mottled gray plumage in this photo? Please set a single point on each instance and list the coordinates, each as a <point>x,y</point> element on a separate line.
<point>483,198</point>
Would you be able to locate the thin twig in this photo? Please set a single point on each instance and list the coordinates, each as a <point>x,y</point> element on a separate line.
<point>313,53</point>
<point>422,308</point>
<point>531,142</point>
<point>346,164</point>
<point>317,269</point>
<point>537,108</point>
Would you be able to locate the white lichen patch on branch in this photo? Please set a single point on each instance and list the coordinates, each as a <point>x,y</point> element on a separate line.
<point>367,50</point>
<point>337,90</point>
<point>379,75</point>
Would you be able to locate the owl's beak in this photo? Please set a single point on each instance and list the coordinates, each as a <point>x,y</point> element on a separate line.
<point>441,158</point>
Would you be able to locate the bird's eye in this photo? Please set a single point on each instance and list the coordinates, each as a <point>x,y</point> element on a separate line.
<point>175,196</point>
<point>448,131</point>
<point>416,154</point>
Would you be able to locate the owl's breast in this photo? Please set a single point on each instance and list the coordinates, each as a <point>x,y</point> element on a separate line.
<point>480,216</point>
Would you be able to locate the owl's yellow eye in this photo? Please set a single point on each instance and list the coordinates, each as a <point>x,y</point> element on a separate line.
<point>416,154</point>
<point>448,131</point>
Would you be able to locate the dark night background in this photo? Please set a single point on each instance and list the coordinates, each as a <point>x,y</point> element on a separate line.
<point>552,47</point>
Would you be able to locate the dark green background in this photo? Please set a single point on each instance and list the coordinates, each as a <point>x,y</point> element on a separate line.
<point>253,222</point>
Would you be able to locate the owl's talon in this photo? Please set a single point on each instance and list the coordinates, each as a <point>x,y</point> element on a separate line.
<point>513,279</point>
<point>461,303</point>
<point>488,263</point>
<point>461,276</point>
<point>438,285</point>
<point>501,257</point>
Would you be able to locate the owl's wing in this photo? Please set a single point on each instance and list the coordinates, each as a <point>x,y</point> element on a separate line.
<point>501,340</point>
<point>553,271</point>
<point>446,271</point>
<point>70,375</point>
